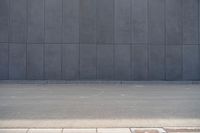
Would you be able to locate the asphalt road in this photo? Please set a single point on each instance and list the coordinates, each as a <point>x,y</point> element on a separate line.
<point>95,102</point>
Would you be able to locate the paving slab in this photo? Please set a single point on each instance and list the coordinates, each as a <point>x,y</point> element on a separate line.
<point>182,129</point>
<point>113,130</point>
<point>148,130</point>
<point>45,131</point>
<point>87,130</point>
<point>13,130</point>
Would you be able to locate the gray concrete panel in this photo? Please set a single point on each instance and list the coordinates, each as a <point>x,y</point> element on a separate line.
<point>190,21</point>
<point>174,22</point>
<point>174,63</point>
<point>53,21</point>
<point>36,21</point>
<point>64,27</point>
<point>52,61</point>
<point>191,62</point>
<point>139,62</point>
<point>122,60</point>
<point>70,21</point>
<point>156,63</point>
<point>87,21</point>
<point>3,61</point>
<point>88,62</point>
<point>70,61</point>
<point>18,21</point>
<point>156,22</point>
<point>139,21</point>
<point>17,61</point>
<point>35,61</point>
<point>105,62</point>
<point>4,20</point>
<point>105,21</point>
<point>122,21</point>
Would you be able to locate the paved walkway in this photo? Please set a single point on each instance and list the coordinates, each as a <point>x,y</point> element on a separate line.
<point>105,130</point>
<point>99,105</point>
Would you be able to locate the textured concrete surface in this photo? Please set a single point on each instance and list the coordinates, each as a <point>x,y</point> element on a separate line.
<point>113,130</point>
<point>147,130</point>
<point>105,105</point>
<point>45,131</point>
<point>103,130</point>
<point>100,39</point>
<point>13,130</point>
<point>83,130</point>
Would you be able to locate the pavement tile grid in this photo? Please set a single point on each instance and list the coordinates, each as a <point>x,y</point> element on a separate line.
<point>103,130</point>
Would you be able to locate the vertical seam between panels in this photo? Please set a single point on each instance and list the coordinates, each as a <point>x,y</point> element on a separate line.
<point>146,43</point>
<point>62,14</point>
<point>96,35</point>
<point>165,44</point>
<point>113,41</point>
<point>182,45</point>
<point>148,55</point>
<point>26,37</point>
<point>79,44</point>
<point>9,11</point>
<point>9,33</point>
<point>44,64</point>
<point>61,45</point>
<point>131,46</point>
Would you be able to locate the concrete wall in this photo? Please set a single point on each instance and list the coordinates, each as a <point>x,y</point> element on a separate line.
<point>100,39</point>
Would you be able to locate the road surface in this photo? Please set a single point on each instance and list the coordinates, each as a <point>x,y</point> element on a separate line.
<point>99,105</point>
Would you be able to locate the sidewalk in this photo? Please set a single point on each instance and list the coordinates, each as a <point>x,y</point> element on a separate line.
<point>105,130</point>
<point>99,105</point>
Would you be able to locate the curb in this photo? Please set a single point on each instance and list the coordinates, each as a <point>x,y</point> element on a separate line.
<point>93,82</point>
